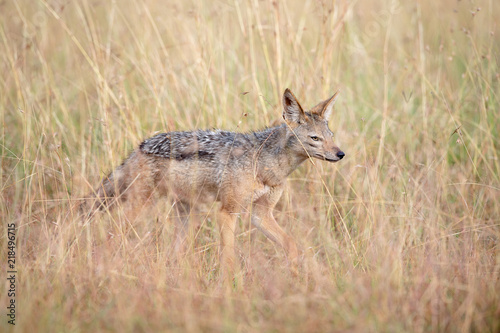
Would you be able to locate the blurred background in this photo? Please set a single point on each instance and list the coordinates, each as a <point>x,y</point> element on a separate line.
<point>401,235</point>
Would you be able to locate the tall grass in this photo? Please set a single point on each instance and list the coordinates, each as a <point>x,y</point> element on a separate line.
<point>402,235</point>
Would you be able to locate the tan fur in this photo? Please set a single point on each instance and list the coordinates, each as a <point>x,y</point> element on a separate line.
<point>237,169</point>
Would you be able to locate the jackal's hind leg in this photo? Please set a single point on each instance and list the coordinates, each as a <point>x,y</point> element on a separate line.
<point>138,198</point>
<point>182,210</point>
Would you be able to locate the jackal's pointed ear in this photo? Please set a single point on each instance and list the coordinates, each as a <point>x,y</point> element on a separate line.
<point>292,111</point>
<point>324,109</point>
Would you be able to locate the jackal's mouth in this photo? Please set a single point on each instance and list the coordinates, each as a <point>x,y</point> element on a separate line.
<point>324,158</point>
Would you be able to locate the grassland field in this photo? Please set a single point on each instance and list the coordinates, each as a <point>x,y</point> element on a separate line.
<point>402,235</point>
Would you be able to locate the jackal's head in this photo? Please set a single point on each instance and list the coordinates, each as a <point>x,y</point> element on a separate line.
<point>310,128</point>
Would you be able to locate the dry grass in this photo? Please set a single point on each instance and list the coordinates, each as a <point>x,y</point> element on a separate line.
<point>402,235</point>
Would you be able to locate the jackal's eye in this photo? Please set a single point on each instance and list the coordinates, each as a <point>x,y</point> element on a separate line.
<point>314,138</point>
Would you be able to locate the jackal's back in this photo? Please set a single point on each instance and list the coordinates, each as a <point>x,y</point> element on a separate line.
<point>200,144</point>
<point>215,147</point>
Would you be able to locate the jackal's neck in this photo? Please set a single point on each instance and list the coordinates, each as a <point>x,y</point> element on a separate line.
<point>280,153</point>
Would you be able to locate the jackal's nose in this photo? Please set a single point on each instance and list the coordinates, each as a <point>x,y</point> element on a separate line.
<point>340,154</point>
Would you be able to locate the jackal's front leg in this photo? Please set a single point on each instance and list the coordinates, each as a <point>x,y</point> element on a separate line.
<point>262,218</point>
<point>227,221</point>
<point>268,225</point>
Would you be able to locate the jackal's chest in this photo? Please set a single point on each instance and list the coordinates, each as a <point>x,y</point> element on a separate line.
<point>260,190</point>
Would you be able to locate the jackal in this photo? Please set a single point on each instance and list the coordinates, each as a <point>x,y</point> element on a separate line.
<point>237,169</point>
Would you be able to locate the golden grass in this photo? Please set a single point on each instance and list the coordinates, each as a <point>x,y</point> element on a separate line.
<point>402,235</point>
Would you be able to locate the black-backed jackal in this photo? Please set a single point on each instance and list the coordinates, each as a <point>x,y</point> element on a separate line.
<point>237,169</point>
